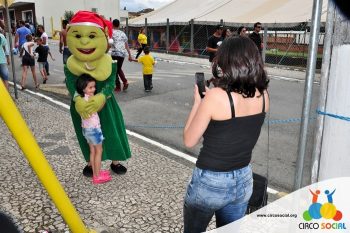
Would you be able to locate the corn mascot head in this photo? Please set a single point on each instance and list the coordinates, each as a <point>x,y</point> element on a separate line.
<point>88,36</point>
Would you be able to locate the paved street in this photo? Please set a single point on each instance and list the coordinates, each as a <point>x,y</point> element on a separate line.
<point>149,197</point>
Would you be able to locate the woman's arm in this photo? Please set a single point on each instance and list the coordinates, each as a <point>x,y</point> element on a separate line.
<point>198,119</point>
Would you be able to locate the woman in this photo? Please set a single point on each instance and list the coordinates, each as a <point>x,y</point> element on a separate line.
<point>229,118</point>
<point>242,31</point>
<point>142,39</point>
<point>120,50</point>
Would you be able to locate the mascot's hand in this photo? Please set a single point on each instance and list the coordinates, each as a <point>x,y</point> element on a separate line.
<point>80,106</point>
<point>95,103</point>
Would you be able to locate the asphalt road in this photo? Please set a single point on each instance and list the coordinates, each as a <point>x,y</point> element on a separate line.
<point>161,114</point>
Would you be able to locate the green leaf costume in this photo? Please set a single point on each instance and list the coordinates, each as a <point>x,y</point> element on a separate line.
<point>115,145</point>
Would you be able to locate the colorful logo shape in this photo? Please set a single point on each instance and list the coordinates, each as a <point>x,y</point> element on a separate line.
<point>327,210</point>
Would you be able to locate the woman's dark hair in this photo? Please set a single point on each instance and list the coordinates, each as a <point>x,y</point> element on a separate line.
<point>223,34</point>
<point>241,66</point>
<point>240,30</point>
<point>82,83</point>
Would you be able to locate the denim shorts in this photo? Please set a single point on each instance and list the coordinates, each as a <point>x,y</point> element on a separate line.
<point>4,72</point>
<point>93,135</point>
<point>41,65</point>
<point>225,194</point>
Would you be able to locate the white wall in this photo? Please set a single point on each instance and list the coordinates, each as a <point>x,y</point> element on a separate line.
<point>56,9</point>
<point>335,152</point>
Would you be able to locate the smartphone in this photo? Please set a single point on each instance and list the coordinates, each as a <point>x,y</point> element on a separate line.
<point>200,81</point>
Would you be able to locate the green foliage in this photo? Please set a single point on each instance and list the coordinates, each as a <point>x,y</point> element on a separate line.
<point>68,15</point>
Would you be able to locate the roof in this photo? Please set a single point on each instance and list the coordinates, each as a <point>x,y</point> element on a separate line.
<point>281,12</point>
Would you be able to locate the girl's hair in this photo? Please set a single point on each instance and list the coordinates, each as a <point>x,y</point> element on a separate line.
<point>241,66</point>
<point>82,83</point>
<point>29,37</point>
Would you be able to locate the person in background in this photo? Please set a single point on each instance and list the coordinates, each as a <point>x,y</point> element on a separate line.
<point>242,31</point>
<point>32,28</point>
<point>214,42</point>
<point>45,38</point>
<point>229,118</point>
<point>28,61</point>
<point>227,33</point>
<point>255,36</point>
<point>63,48</point>
<point>4,60</point>
<point>147,62</point>
<point>142,39</point>
<point>120,50</point>
<point>43,52</point>
<point>20,37</point>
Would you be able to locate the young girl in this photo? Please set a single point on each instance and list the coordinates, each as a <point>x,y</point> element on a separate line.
<point>28,61</point>
<point>43,52</point>
<point>86,87</point>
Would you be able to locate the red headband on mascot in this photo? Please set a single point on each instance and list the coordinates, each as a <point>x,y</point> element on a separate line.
<point>89,18</point>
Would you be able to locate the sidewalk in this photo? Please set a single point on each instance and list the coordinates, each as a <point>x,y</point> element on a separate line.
<point>148,198</point>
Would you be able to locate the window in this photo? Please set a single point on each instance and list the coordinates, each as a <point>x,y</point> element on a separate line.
<point>27,16</point>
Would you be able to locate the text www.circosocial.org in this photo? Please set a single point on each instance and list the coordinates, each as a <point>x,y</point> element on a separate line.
<point>277,215</point>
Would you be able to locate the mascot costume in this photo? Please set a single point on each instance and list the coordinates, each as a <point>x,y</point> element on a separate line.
<point>88,40</point>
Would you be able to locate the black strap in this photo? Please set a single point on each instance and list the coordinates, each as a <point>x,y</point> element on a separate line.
<point>231,104</point>
<point>263,109</point>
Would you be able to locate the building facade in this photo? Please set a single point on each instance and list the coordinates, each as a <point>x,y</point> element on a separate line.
<point>50,12</point>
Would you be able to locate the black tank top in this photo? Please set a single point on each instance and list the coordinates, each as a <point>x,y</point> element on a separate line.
<point>228,144</point>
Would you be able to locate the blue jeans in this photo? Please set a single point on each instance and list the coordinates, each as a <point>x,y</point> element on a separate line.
<point>225,194</point>
<point>66,54</point>
<point>4,72</point>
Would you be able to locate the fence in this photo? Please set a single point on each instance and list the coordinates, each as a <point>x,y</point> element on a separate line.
<point>284,45</point>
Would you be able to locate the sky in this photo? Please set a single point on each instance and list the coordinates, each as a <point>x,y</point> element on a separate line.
<point>136,5</point>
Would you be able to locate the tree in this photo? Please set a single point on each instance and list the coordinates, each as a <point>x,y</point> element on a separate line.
<point>68,15</point>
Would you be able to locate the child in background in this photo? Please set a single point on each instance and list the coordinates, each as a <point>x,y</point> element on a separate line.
<point>28,61</point>
<point>86,87</point>
<point>148,62</point>
<point>42,51</point>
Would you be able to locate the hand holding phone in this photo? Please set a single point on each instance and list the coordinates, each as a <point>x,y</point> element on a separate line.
<point>200,81</point>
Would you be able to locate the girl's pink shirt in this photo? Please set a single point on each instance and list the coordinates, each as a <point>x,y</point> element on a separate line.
<point>93,121</point>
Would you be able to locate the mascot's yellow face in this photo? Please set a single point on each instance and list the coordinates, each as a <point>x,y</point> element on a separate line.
<point>86,43</point>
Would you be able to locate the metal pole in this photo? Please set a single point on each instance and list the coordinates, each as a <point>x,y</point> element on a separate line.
<point>192,29</point>
<point>265,44</point>
<point>310,75</point>
<point>326,61</point>
<point>11,49</point>
<point>127,27</point>
<point>167,35</point>
<point>146,29</point>
<point>26,141</point>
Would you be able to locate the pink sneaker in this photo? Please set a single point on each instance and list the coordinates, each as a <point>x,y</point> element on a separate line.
<point>105,173</point>
<point>100,179</point>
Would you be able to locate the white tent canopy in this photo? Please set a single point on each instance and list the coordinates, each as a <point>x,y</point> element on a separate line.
<point>281,12</point>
